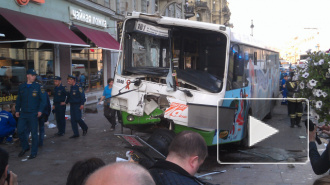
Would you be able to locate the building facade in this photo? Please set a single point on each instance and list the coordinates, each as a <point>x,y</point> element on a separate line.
<point>57,38</point>
<point>211,11</point>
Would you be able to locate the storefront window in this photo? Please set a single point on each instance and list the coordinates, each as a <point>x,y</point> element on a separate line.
<point>15,59</point>
<point>87,66</point>
<point>12,72</point>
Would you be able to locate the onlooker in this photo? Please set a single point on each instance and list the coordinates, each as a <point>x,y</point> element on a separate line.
<point>295,106</point>
<point>59,105</point>
<point>82,169</point>
<point>284,90</point>
<point>187,153</point>
<point>109,113</point>
<point>283,73</point>
<point>10,179</point>
<point>320,163</point>
<point>83,80</point>
<point>76,98</point>
<point>7,124</point>
<point>44,118</point>
<point>121,173</point>
<point>30,102</point>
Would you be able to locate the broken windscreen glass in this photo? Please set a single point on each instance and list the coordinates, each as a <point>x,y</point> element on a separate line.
<point>198,56</point>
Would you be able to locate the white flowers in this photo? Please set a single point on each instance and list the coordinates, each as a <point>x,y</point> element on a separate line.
<point>309,86</point>
<point>312,82</point>
<point>305,75</point>
<point>318,104</point>
<point>316,117</point>
<point>324,94</point>
<point>314,114</point>
<point>309,50</point>
<point>327,75</point>
<point>317,92</point>
<point>321,62</point>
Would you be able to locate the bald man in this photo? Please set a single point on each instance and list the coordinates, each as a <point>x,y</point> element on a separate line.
<point>121,173</point>
<point>187,153</point>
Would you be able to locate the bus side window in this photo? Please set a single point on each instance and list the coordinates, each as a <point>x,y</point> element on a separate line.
<point>238,71</point>
<point>255,58</point>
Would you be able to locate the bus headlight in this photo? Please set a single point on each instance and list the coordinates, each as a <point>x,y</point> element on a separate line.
<point>130,117</point>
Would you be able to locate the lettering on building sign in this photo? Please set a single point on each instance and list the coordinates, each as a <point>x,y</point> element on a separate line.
<point>80,15</point>
<point>8,98</point>
<point>25,2</point>
<point>119,29</point>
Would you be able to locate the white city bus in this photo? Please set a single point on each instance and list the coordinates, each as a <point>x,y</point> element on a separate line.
<point>171,74</point>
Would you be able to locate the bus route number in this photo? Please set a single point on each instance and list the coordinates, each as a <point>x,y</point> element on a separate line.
<point>141,26</point>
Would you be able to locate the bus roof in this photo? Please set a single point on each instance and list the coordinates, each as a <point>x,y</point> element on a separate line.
<point>251,41</point>
<point>178,22</point>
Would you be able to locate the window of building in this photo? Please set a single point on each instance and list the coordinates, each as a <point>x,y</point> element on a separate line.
<point>87,66</point>
<point>16,58</point>
<point>144,5</point>
<point>199,17</point>
<point>107,3</point>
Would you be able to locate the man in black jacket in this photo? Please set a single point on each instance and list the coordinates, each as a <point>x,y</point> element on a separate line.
<point>187,153</point>
<point>320,163</point>
<point>295,107</point>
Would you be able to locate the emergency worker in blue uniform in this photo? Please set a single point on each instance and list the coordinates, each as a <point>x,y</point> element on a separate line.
<point>59,105</point>
<point>30,102</point>
<point>76,98</point>
<point>7,124</point>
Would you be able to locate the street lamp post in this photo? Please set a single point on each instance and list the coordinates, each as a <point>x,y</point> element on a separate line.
<point>252,26</point>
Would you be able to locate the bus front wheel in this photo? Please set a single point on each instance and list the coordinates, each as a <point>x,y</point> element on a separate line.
<point>161,140</point>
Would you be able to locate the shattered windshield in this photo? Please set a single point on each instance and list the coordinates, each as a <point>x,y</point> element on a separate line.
<point>198,56</point>
<point>147,51</point>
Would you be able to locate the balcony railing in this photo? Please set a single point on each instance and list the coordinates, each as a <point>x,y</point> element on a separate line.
<point>189,9</point>
<point>201,4</point>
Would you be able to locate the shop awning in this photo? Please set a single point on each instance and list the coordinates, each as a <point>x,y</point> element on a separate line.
<point>39,29</point>
<point>101,39</point>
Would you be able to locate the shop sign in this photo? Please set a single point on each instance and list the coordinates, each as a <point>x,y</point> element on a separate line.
<point>25,2</point>
<point>119,29</point>
<point>85,17</point>
<point>8,98</point>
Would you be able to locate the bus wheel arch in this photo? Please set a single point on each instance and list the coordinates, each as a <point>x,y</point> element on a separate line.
<point>245,139</point>
<point>272,105</point>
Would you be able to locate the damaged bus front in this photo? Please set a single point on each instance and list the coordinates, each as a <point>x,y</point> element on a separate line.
<point>171,74</point>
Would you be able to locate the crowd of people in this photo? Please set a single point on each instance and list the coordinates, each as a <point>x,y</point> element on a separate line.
<point>27,117</point>
<point>187,153</point>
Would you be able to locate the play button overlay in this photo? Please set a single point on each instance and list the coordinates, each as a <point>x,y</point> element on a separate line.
<point>259,131</point>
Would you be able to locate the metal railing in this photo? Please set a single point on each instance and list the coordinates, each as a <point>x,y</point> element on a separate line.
<point>200,4</point>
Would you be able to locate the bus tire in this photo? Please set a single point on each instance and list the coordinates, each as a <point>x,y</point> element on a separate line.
<point>161,140</point>
<point>245,141</point>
